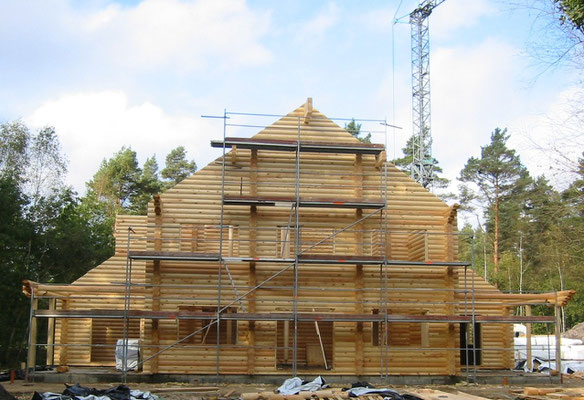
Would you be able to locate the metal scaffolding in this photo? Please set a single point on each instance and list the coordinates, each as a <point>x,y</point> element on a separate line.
<point>304,253</point>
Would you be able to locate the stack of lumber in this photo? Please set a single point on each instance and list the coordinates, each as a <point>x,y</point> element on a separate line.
<point>431,394</point>
<point>534,393</point>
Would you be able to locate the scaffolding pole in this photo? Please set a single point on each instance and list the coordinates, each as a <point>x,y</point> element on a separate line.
<point>296,254</point>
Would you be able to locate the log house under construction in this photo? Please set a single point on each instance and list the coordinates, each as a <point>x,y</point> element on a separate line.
<point>300,251</point>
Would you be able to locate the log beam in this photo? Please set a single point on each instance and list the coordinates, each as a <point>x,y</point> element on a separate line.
<point>32,342</point>
<point>51,334</point>
<point>307,111</point>
<point>64,340</point>
<point>359,342</point>
<point>529,355</point>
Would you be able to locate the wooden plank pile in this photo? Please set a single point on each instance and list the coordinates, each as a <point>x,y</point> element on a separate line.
<point>536,393</point>
<point>431,394</point>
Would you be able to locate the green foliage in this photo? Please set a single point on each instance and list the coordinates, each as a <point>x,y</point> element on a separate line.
<point>14,140</point>
<point>74,242</point>
<point>47,166</point>
<point>355,129</point>
<point>541,245</point>
<point>34,161</point>
<point>47,233</point>
<point>574,195</point>
<point>572,12</point>
<point>15,235</point>
<point>405,164</point>
<point>148,185</point>
<point>498,169</point>
<point>121,186</point>
<point>498,181</point>
<point>116,182</point>
<point>177,167</point>
<point>59,245</point>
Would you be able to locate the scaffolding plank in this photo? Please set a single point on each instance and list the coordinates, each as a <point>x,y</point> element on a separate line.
<point>173,255</point>
<point>304,258</point>
<point>338,259</point>
<point>350,259</point>
<point>304,317</point>
<point>306,146</point>
<point>429,263</point>
<point>304,202</point>
<point>259,259</point>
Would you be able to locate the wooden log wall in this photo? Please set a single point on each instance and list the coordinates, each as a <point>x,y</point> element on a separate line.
<point>197,200</point>
<point>494,337</point>
<point>107,292</point>
<point>186,218</point>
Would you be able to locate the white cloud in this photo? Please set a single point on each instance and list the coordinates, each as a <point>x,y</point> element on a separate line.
<point>477,89</point>
<point>313,30</point>
<point>552,141</point>
<point>445,19</point>
<point>92,126</point>
<point>474,90</point>
<point>453,15</point>
<point>379,20</point>
<point>182,36</point>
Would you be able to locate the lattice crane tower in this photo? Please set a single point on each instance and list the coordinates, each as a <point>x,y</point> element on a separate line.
<point>422,169</point>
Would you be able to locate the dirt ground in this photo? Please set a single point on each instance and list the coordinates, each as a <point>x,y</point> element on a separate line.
<point>24,390</point>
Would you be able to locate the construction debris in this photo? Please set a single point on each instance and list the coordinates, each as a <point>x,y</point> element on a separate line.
<point>185,389</point>
<point>78,392</point>
<point>430,394</point>
<point>296,385</point>
<point>296,389</point>
<point>4,395</point>
<point>536,393</point>
<point>365,393</point>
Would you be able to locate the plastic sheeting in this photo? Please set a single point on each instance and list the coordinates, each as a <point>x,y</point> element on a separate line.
<point>386,393</point>
<point>133,354</point>
<point>78,392</point>
<point>296,385</point>
<point>544,347</point>
<point>539,365</point>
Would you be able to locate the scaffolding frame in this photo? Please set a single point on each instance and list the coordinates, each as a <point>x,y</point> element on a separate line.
<point>380,207</point>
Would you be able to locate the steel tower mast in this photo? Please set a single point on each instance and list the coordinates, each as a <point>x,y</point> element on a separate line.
<point>422,169</point>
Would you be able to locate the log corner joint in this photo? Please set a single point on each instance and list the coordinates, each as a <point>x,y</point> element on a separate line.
<point>157,207</point>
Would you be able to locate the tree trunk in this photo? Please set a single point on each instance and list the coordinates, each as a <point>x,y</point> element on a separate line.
<point>561,275</point>
<point>496,238</point>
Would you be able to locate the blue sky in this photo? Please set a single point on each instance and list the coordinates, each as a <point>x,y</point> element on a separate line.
<point>141,73</point>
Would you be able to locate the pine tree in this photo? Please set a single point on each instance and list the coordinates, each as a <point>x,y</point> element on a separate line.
<point>405,164</point>
<point>116,183</point>
<point>355,129</point>
<point>497,179</point>
<point>149,184</point>
<point>177,167</point>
